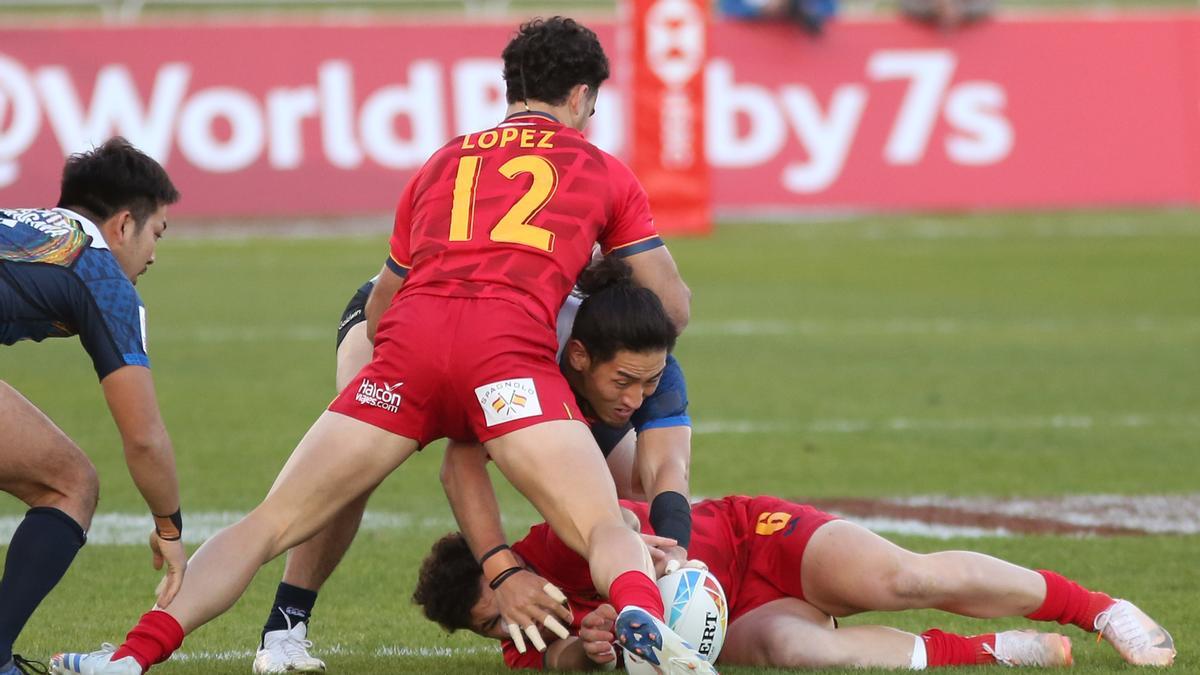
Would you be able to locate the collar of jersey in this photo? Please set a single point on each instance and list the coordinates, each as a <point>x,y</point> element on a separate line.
<point>89,228</point>
<point>531,113</point>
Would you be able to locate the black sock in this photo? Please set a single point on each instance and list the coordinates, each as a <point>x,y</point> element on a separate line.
<point>297,603</point>
<point>39,554</point>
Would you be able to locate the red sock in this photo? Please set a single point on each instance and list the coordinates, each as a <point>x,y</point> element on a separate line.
<point>948,649</point>
<point>152,640</point>
<point>635,588</point>
<point>1068,602</point>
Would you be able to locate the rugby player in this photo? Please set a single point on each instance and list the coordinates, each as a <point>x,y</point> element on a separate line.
<point>613,346</point>
<point>490,235</point>
<point>69,271</point>
<point>789,571</point>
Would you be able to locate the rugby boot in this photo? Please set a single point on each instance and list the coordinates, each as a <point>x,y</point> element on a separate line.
<point>650,640</point>
<point>286,651</point>
<point>96,663</point>
<point>1136,637</point>
<point>1031,648</point>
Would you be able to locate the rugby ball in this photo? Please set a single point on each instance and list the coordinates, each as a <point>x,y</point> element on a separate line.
<point>695,609</point>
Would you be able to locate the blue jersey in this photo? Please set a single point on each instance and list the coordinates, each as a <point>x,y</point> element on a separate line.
<point>58,279</point>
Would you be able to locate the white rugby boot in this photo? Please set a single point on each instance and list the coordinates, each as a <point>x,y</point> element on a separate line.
<point>98,662</point>
<point>286,651</point>
<point>649,639</point>
<point>1136,637</point>
<point>1031,648</point>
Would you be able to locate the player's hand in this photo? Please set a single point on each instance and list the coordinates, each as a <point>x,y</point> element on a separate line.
<point>175,556</point>
<point>597,636</point>
<point>673,558</point>
<point>525,601</point>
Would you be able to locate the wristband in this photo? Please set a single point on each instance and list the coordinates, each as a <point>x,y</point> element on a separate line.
<point>485,556</point>
<point>503,576</point>
<point>169,528</point>
<point>671,516</point>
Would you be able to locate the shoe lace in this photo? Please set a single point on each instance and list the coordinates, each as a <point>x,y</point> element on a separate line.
<point>29,667</point>
<point>294,647</point>
<point>1123,627</point>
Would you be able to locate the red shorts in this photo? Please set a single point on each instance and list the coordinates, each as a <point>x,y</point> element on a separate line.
<point>774,535</point>
<point>470,369</point>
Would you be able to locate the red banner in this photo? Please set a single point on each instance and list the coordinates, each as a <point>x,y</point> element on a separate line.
<point>670,43</point>
<point>287,120</point>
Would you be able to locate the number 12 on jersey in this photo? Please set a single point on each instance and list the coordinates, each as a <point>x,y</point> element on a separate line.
<point>513,227</point>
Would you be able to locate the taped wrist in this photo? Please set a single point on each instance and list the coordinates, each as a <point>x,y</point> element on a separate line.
<point>169,528</point>
<point>671,516</point>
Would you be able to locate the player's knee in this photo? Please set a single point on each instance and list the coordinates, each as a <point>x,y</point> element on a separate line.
<point>812,647</point>
<point>914,584</point>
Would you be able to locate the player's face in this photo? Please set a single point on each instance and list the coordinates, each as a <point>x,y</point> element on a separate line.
<point>133,246</point>
<point>485,616</point>
<point>616,388</point>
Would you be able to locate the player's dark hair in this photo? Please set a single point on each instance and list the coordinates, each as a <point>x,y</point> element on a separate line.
<point>618,315</point>
<point>548,57</point>
<point>448,583</point>
<point>114,177</point>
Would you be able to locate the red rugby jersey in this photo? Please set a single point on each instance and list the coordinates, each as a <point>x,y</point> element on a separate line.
<point>512,212</point>
<point>718,527</point>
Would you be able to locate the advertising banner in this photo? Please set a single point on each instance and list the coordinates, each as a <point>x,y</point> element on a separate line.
<point>314,120</point>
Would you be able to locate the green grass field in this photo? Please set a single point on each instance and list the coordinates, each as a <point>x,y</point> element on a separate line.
<point>865,357</point>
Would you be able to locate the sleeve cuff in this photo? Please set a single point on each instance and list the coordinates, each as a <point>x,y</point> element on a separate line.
<point>636,247</point>
<point>399,270</point>
<point>664,422</point>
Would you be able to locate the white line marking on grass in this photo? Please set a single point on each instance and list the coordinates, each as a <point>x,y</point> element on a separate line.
<point>1163,514</point>
<point>854,426</point>
<point>922,529</point>
<point>339,650</point>
<point>935,326</point>
<point>132,529</point>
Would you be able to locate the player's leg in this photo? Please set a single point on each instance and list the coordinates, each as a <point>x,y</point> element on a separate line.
<point>43,468</point>
<point>559,469</point>
<point>283,642</point>
<point>847,568</point>
<point>791,633</point>
<point>339,459</point>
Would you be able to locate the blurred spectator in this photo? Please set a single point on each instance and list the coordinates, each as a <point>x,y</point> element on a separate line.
<point>947,13</point>
<point>812,14</point>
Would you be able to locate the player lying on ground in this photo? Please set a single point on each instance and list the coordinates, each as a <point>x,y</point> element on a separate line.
<point>614,346</point>
<point>788,570</point>
<point>495,228</point>
<point>71,271</point>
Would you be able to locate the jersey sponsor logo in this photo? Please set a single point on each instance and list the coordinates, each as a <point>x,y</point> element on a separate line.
<point>508,400</point>
<point>769,523</point>
<point>382,396</point>
<point>349,317</point>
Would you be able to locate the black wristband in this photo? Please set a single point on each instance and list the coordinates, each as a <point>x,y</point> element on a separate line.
<point>671,516</point>
<point>169,528</point>
<point>503,576</point>
<point>485,556</point>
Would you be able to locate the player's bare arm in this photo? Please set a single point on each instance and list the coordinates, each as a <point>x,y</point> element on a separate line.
<point>661,465</point>
<point>524,597</point>
<point>150,457</point>
<point>656,269</point>
<point>386,287</point>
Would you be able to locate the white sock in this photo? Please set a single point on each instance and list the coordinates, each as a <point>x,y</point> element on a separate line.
<point>919,660</point>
